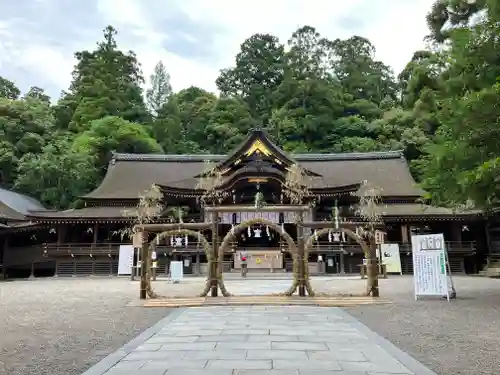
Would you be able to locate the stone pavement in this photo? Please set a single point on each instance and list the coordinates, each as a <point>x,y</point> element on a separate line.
<point>248,340</point>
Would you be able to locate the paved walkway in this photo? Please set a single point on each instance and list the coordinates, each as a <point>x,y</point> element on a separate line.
<point>247,340</point>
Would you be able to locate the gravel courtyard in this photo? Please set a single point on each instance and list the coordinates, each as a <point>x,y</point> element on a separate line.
<point>63,326</point>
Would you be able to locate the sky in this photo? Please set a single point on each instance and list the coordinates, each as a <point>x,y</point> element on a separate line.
<point>193,38</point>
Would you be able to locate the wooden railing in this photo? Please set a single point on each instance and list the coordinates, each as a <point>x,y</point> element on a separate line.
<point>458,248</point>
<point>54,249</point>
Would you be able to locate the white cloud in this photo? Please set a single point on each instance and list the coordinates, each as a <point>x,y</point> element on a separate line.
<point>183,72</point>
<point>395,27</point>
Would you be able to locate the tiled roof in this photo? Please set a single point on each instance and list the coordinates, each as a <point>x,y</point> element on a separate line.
<point>112,212</point>
<point>15,206</point>
<point>130,174</point>
<point>416,209</point>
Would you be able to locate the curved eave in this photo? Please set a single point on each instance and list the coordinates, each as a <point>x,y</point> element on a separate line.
<point>180,192</point>
<point>21,227</point>
<point>423,216</point>
<point>75,220</point>
<point>110,202</point>
<point>336,190</point>
<point>89,220</point>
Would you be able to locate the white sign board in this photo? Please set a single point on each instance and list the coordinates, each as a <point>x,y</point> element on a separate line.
<point>429,265</point>
<point>176,272</point>
<point>390,257</point>
<point>124,256</point>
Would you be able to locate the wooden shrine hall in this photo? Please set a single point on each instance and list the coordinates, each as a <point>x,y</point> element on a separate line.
<point>37,241</point>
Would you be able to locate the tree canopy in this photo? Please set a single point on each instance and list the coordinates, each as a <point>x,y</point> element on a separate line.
<point>311,93</point>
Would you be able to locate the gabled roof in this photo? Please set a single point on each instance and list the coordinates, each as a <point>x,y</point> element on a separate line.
<point>257,141</point>
<point>129,175</point>
<point>15,206</point>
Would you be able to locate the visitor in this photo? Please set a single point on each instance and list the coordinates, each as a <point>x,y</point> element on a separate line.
<point>243,260</point>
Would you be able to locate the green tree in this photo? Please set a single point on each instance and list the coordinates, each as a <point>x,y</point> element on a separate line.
<point>26,126</point>
<point>308,54</point>
<point>359,73</point>
<point>229,122</point>
<point>56,176</point>
<point>259,70</point>
<point>423,72</point>
<point>8,89</point>
<point>159,92</point>
<point>195,107</point>
<point>106,82</point>
<point>114,134</point>
<point>37,93</point>
<point>460,166</point>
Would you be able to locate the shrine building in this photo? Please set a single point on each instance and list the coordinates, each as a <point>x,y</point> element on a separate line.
<point>36,241</point>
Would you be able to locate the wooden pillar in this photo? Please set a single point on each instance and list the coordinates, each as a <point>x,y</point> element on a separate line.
<point>456,232</point>
<point>198,265</point>
<point>404,234</point>
<point>4,256</point>
<point>61,234</point>
<point>144,252</point>
<point>96,233</point>
<point>300,238</point>
<point>213,266</point>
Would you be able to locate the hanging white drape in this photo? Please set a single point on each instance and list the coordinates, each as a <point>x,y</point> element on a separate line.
<point>330,236</point>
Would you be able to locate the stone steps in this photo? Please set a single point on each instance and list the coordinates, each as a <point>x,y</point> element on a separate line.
<point>265,300</point>
<point>490,272</point>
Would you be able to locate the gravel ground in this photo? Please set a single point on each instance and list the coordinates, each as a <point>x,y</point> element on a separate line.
<point>63,326</point>
<point>457,338</point>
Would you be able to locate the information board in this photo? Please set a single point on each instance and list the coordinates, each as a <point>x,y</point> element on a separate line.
<point>176,271</point>
<point>429,265</point>
<point>125,256</point>
<point>390,257</point>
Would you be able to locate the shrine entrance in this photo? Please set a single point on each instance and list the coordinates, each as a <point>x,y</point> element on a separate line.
<point>258,236</point>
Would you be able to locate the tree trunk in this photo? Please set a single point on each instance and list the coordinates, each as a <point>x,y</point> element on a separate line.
<point>301,270</point>
<point>143,256</point>
<point>213,267</point>
<point>372,271</point>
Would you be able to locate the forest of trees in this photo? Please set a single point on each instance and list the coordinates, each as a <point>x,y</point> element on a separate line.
<point>312,94</point>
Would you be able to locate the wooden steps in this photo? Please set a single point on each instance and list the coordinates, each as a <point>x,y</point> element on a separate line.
<point>265,300</point>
